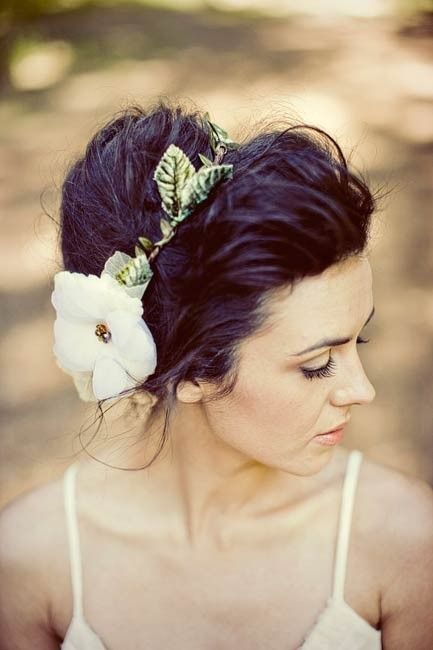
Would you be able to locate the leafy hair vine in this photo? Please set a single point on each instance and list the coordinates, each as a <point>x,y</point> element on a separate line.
<point>182,189</point>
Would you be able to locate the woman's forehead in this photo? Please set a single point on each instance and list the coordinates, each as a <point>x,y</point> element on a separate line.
<point>336,299</point>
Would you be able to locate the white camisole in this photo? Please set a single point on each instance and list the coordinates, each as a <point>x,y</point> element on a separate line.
<point>338,627</point>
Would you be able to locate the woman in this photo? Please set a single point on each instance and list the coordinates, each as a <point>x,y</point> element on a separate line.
<point>231,284</point>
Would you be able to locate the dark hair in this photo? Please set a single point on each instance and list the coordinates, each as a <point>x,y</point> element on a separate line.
<point>292,210</point>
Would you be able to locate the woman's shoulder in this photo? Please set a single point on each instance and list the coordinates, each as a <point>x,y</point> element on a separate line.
<point>394,509</point>
<point>394,517</point>
<point>30,516</point>
<point>32,559</point>
<point>32,531</point>
<point>402,503</point>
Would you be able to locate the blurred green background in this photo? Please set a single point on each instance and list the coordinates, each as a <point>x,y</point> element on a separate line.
<point>361,70</point>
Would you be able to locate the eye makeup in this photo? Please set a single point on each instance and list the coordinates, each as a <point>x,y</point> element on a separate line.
<point>323,371</point>
<point>328,369</point>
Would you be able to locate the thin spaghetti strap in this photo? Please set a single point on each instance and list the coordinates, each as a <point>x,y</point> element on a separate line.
<point>73,539</point>
<point>346,509</point>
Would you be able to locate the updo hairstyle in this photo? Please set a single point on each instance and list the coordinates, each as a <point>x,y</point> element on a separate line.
<point>292,210</point>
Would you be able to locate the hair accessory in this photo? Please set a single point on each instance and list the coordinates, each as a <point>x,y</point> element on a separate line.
<point>218,137</point>
<point>101,339</point>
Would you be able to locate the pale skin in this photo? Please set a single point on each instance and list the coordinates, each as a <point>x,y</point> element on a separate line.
<point>227,541</point>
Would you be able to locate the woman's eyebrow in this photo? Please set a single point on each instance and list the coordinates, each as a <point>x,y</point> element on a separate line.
<point>330,343</point>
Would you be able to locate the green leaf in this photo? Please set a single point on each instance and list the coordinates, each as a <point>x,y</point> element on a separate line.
<point>166,229</point>
<point>172,174</point>
<point>217,135</point>
<point>136,272</point>
<point>206,162</point>
<point>200,186</point>
<point>146,245</point>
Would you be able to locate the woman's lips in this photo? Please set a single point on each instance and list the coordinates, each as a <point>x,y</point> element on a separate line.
<point>330,437</point>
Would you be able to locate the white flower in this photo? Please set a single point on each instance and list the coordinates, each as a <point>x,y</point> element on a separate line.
<point>100,336</point>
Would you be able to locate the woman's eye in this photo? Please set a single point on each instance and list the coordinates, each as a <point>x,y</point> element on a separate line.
<point>323,371</point>
<point>328,369</point>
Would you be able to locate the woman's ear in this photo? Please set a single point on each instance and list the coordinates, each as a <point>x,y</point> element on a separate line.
<point>189,392</point>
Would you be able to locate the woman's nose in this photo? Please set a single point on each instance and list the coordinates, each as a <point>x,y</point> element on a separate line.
<point>354,388</point>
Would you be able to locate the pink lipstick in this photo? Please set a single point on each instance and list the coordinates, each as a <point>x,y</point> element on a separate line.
<point>330,437</point>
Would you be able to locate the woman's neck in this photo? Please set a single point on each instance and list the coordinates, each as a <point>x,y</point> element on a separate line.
<point>204,487</point>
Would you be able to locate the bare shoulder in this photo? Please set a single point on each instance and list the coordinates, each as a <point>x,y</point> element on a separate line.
<point>400,505</point>
<point>32,547</point>
<point>395,515</point>
<point>28,521</point>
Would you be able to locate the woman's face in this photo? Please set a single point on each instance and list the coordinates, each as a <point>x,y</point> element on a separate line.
<point>284,395</point>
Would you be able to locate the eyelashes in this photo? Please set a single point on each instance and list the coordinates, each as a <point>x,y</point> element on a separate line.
<point>328,369</point>
<point>318,373</point>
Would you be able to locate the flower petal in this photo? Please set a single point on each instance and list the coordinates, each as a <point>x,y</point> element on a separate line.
<point>76,345</point>
<point>121,325</point>
<point>83,384</point>
<point>78,297</point>
<point>140,357</point>
<point>86,297</point>
<point>109,378</point>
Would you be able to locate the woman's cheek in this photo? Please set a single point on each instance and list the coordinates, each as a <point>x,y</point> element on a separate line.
<point>269,396</point>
